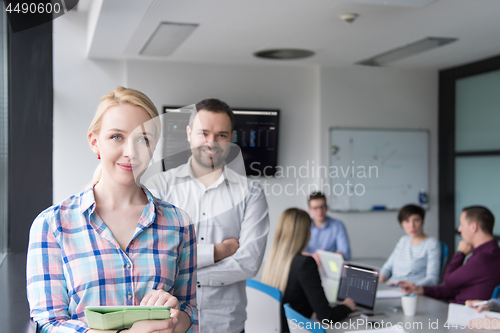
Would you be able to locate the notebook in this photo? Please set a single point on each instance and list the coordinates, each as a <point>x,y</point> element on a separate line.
<point>359,283</point>
<point>118,317</point>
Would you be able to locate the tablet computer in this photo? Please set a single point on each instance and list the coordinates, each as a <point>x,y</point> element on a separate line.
<point>332,264</point>
<point>118,317</point>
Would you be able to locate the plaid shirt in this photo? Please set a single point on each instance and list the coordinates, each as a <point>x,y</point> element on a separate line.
<point>74,261</point>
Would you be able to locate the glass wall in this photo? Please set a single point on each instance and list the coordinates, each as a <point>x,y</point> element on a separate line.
<point>477,113</point>
<point>3,134</point>
<point>477,143</point>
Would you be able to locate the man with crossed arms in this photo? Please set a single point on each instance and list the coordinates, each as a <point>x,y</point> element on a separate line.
<point>230,213</point>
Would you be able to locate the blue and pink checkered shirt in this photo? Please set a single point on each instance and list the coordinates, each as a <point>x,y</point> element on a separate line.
<point>74,261</point>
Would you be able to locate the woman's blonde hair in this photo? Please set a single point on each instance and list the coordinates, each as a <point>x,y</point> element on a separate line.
<point>119,96</point>
<point>291,237</point>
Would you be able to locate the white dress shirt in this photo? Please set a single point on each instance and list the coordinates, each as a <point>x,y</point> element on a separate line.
<point>233,206</point>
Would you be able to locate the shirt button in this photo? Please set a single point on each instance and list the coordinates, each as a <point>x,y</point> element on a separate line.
<point>127,266</point>
<point>202,238</point>
<point>203,213</point>
<point>129,296</point>
<point>199,286</point>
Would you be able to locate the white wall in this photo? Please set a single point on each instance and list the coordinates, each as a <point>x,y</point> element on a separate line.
<point>79,84</point>
<point>367,97</point>
<point>311,100</point>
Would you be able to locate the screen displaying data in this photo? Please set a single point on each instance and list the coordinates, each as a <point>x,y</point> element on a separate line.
<point>255,136</point>
<point>176,150</point>
<point>256,133</point>
<point>360,284</point>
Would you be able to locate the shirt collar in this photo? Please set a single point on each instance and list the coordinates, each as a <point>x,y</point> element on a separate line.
<point>485,246</point>
<point>153,201</point>
<point>87,200</point>
<point>185,171</point>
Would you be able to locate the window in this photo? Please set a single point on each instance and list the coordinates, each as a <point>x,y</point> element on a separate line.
<point>469,143</point>
<point>3,135</point>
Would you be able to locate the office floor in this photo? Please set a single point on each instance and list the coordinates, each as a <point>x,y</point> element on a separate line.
<point>14,309</point>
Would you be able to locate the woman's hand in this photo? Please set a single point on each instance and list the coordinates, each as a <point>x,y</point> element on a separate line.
<point>160,298</point>
<point>483,307</point>
<point>349,303</point>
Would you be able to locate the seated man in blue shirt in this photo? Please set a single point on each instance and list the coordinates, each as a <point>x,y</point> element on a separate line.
<point>326,233</point>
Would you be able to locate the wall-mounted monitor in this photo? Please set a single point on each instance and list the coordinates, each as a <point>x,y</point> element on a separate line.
<point>256,134</point>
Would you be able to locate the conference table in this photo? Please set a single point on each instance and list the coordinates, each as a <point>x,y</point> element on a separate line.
<point>431,314</point>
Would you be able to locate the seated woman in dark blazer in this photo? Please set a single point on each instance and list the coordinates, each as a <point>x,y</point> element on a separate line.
<point>296,275</point>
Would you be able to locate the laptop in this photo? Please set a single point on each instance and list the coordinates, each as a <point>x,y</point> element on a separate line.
<point>330,271</point>
<point>359,283</point>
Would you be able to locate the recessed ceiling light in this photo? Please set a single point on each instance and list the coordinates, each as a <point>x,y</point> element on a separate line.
<point>167,38</point>
<point>284,54</point>
<point>406,51</point>
<point>349,17</point>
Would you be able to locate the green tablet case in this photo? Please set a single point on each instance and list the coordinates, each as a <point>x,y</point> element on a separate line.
<point>118,317</point>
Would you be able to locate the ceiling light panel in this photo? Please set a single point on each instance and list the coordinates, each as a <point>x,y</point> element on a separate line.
<point>167,38</point>
<point>404,3</point>
<point>406,51</point>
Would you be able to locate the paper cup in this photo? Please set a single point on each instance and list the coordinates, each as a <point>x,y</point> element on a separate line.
<point>409,304</point>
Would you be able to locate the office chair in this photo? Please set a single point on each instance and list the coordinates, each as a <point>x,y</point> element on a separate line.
<point>297,323</point>
<point>263,308</point>
<point>496,292</point>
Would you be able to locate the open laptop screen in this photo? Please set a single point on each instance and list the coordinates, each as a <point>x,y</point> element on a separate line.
<point>358,283</point>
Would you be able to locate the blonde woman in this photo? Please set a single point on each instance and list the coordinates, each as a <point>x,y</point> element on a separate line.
<point>114,243</point>
<point>297,275</point>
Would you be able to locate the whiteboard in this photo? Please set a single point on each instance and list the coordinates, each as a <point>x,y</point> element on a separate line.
<point>372,169</point>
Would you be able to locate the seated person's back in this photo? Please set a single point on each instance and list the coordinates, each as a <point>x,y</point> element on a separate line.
<point>297,275</point>
<point>305,293</point>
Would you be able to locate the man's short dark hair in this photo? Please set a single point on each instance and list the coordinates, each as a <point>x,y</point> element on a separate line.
<point>314,196</point>
<point>409,210</point>
<point>483,216</point>
<point>212,105</point>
